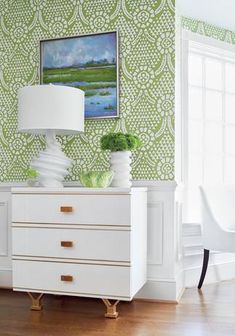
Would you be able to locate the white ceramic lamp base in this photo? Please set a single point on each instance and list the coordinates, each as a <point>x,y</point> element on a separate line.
<point>52,164</point>
<point>120,164</point>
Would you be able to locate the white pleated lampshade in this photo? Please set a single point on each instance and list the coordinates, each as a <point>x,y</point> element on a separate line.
<point>51,107</point>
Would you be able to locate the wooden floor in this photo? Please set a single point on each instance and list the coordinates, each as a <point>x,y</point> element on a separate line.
<point>210,312</point>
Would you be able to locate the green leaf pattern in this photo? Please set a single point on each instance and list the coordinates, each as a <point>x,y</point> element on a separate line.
<point>146,58</point>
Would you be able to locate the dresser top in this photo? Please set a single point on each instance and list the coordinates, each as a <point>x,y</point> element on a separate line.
<point>77,190</point>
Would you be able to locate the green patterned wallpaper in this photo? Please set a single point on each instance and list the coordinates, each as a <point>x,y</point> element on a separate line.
<point>209,30</point>
<point>146,31</point>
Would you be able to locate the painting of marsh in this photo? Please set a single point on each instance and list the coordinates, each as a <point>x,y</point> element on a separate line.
<point>87,62</point>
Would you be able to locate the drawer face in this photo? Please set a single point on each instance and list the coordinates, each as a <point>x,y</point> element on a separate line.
<point>86,279</point>
<point>71,209</point>
<point>76,243</point>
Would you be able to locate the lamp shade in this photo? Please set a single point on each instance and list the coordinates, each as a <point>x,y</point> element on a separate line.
<point>51,107</point>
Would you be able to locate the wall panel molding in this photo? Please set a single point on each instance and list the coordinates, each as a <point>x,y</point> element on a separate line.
<point>4,229</point>
<point>5,237</point>
<point>155,233</point>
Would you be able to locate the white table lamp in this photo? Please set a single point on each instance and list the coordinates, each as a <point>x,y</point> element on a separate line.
<point>51,110</point>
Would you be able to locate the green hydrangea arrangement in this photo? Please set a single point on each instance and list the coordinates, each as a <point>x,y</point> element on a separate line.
<point>120,142</point>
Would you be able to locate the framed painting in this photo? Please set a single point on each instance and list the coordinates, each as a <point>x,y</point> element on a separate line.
<point>88,62</point>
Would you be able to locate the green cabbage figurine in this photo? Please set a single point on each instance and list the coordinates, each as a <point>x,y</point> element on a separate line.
<point>96,179</point>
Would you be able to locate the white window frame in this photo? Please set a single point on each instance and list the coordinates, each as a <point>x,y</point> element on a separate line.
<point>210,47</point>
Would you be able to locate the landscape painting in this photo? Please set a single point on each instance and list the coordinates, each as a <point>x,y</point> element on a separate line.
<point>88,62</point>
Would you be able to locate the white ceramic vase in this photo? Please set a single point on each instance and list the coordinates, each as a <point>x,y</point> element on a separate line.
<point>52,164</point>
<point>120,164</point>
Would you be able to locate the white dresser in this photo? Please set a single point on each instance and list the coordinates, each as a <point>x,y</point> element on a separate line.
<point>79,241</point>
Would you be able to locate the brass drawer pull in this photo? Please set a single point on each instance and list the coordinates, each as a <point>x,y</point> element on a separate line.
<point>66,209</point>
<point>68,278</point>
<point>66,244</point>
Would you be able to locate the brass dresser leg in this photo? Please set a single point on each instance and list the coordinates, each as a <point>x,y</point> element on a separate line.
<point>36,301</point>
<point>111,308</point>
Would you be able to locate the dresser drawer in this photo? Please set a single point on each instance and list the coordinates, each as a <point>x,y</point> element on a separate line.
<point>113,281</point>
<point>72,243</point>
<point>71,209</point>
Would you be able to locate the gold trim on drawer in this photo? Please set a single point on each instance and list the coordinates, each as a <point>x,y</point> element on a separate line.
<point>65,243</point>
<point>66,278</point>
<point>66,209</point>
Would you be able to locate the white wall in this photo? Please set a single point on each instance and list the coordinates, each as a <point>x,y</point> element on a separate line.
<point>217,12</point>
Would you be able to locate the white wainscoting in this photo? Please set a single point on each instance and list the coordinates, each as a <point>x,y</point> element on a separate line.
<point>165,274</point>
<point>5,238</point>
<point>4,228</point>
<point>155,229</point>
<point>174,252</point>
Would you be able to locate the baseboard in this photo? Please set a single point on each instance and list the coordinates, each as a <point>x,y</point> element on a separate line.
<point>215,273</point>
<point>171,290</point>
<point>159,290</point>
<point>156,301</point>
<point>180,285</point>
<point>5,278</point>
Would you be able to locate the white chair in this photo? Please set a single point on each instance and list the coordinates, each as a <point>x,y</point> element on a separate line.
<point>218,222</point>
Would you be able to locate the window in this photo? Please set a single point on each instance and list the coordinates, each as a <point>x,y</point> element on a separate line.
<point>209,112</point>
